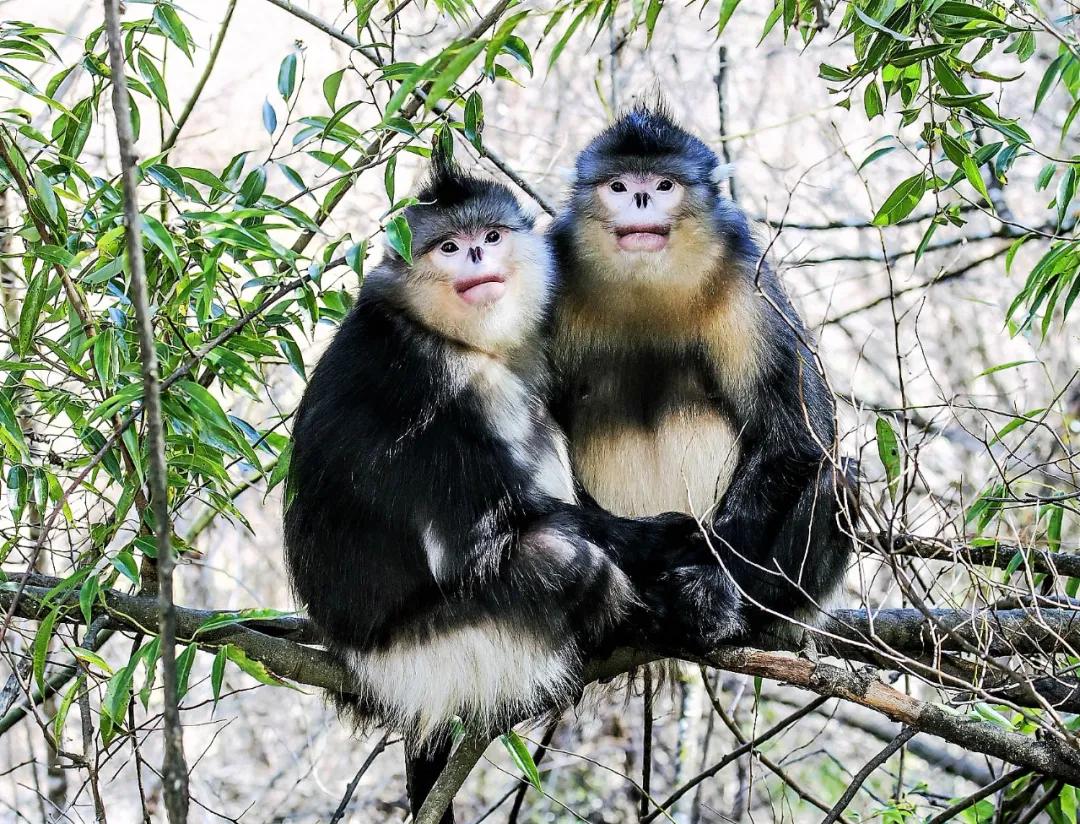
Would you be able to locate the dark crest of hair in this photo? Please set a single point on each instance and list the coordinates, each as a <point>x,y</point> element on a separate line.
<point>453,200</point>
<point>647,139</point>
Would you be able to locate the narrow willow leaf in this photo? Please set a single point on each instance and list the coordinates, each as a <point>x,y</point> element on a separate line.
<point>286,81</point>
<point>399,236</point>
<point>269,116</point>
<point>91,657</point>
<point>522,758</point>
<point>40,649</point>
<point>217,673</point>
<point>1015,424</point>
<point>889,453</point>
<point>902,201</point>
<point>33,302</point>
<point>65,707</point>
<point>727,8</point>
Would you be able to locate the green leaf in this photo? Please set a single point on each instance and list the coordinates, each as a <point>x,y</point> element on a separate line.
<point>872,101</point>
<point>330,87</point>
<point>253,187</point>
<point>1067,800</point>
<point>40,647</point>
<point>399,236</point>
<point>88,596</point>
<point>33,302</point>
<point>256,669</point>
<point>217,673</point>
<point>47,196</point>
<point>1001,367</point>
<point>90,657</point>
<point>454,69</point>
<point>65,707</point>
<point>727,8</point>
<point>974,177</point>
<point>286,79</point>
<point>269,116</point>
<point>889,453</point>
<point>281,468</point>
<point>522,758</point>
<point>169,22</point>
<point>159,236</point>
<point>902,201</point>
<point>1065,192</point>
<point>154,80</point>
<point>228,619</point>
<point>474,120</point>
<point>1015,424</point>
<point>183,669</point>
<point>1050,78</point>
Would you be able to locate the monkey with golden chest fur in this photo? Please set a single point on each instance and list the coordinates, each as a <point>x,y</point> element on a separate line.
<point>684,377</point>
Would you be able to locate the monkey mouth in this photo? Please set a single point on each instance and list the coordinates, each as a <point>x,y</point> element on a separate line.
<point>652,238</point>
<point>480,289</point>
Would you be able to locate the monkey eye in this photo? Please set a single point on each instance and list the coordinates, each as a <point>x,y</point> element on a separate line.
<point>494,236</point>
<point>618,186</point>
<point>448,247</point>
<point>665,186</point>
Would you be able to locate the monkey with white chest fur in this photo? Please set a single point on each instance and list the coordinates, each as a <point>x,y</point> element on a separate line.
<point>684,379</point>
<point>434,532</point>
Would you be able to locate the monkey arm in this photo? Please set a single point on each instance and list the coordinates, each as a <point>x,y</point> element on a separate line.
<point>776,526</point>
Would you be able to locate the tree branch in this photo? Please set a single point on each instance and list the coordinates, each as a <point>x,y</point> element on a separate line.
<point>904,630</point>
<point>174,768</point>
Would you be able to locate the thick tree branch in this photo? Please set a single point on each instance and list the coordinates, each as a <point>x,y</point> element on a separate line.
<point>905,630</point>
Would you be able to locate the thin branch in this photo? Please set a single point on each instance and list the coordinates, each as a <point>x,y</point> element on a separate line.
<point>864,773</point>
<point>977,796</point>
<point>196,93</point>
<point>174,768</point>
<point>420,94</point>
<point>339,813</point>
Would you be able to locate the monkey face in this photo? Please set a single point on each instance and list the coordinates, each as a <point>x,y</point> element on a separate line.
<point>485,287</point>
<point>641,210</point>
<point>476,264</point>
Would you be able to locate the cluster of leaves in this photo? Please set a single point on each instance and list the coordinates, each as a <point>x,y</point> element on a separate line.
<point>239,269</point>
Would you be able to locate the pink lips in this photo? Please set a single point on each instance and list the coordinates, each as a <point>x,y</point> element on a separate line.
<point>480,289</point>
<point>642,238</point>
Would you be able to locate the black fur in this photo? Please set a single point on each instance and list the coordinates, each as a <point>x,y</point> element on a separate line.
<point>390,445</point>
<point>776,525</point>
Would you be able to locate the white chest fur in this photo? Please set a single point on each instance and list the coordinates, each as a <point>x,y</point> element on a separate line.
<point>520,419</point>
<point>683,465</point>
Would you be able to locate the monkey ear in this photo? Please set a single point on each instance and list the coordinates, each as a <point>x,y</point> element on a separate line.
<point>722,171</point>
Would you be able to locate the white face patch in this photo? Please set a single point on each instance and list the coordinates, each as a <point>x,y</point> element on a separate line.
<point>641,210</point>
<point>684,465</point>
<point>482,671</point>
<point>489,316</point>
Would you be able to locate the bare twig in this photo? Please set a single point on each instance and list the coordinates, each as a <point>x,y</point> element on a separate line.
<point>864,773</point>
<point>339,813</point>
<point>977,796</point>
<point>189,107</point>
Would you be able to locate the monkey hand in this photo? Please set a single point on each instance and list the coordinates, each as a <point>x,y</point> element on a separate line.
<point>683,543</point>
<point>693,609</point>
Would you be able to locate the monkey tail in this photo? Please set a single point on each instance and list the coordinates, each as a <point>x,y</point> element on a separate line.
<point>423,766</point>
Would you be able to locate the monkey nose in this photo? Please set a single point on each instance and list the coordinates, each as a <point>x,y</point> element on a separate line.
<point>476,254</point>
<point>641,199</point>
